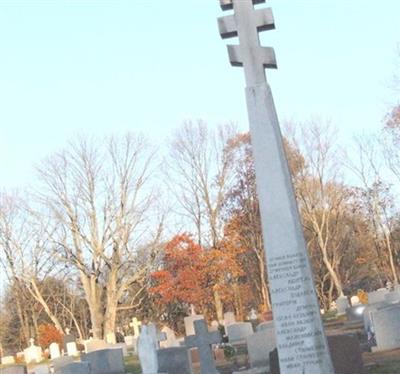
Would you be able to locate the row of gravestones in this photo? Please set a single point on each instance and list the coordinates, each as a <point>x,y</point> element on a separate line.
<point>380,317</point>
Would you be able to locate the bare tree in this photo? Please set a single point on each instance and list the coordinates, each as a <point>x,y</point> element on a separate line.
<point>377,198</point>
<point>102,203</point>
<point>200,168</point>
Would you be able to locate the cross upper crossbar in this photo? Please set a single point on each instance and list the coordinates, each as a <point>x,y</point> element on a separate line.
<point>246,23</point>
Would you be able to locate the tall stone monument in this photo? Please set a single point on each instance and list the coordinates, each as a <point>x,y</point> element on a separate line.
<point>301,340</point>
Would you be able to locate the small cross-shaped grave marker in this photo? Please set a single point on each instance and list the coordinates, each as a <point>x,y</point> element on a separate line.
<point>245,23</point>
<point>202,340</point>
<point>136,326</point>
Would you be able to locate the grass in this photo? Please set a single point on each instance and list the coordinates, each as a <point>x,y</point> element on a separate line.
<point>132,365</point>
<point>385,368</point>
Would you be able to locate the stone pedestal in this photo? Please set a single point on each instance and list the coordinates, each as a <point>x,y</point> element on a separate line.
<point>386,325</point>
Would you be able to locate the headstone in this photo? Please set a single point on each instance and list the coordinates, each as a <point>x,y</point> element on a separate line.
<point>386,325</point>
<point>93,345</point>
<point>76,368</point>
<point>259,345</point>
<point>174,360</point>
<point>15,369</point>
<point>229,318</point>
<point>157,336</point>
<point>342,303</point>
<point>33,353</point>
<point>392,297</point>
<point>214,326</point>
<point>110,338</point>
<point>54,350</point>
<point>147,351</point>
<point>355,300</point>
<point>189,323</point>
<point>135,324</point>
<point>171,340</point>
<point>72,350</point>
<point>345,352</point>
<point>377,296</point>
<point>202,340</point>
<point>265,326</point>
<point>122,346</point>
<point>239,331</point>
<point>293,294</point>
<point>61,362</point>
<point>68,338</point>
<point>356,313</point>
<point>106,361</point>
<point>131,342</point>
<point>7,360</point>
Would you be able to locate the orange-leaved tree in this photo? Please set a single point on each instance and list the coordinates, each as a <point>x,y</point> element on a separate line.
<point>183,278</point>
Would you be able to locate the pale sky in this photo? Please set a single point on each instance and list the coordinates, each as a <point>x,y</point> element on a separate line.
<point>99,67</point>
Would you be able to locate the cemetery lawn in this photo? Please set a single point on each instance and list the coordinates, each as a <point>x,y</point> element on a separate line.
<point>132,365</point>
<point>386,368</point>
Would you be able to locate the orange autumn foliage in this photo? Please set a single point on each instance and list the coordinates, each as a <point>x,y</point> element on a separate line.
<point>191,274</point>
<point>49,334</point>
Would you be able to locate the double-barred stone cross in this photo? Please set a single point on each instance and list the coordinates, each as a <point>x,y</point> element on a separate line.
<point>301,340</point>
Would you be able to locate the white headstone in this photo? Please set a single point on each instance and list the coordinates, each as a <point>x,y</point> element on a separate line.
<point>377,296</point>
<point>135,324</point>
<point>92,345</point>
<point>110,338</point>
<point>239,331</point>
<point>33,353</point>
<point>7,360</point>
<point>171,338</point>
<point>72,350</point>
<point>54,351</point>
<point>147,351</point>
<point>189,323</point>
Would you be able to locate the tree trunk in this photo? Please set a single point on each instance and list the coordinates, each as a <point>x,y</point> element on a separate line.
<point>219,308</point>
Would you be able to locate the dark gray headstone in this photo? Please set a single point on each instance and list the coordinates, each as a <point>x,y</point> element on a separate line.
<point>202,341</point>
<point>15,369</point>
<point>76,368</point>
<point>106,361</point>
<point>356,313</point>
<point>345,352</point>
<point>174,360</point>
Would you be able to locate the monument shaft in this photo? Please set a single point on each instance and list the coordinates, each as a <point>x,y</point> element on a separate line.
<point>302,345</point>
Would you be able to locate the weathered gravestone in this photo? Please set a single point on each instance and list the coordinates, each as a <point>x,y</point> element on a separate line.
<point>15,369</point>
<point>61,362</point>
<point>238,331</point>
<point>386,325</point>
<point>174,360</point>
<point>54,351</point>
<point>202,341</point>
<point>111,338</point>
<point>344,350</point>
<point>106,361</point>
<point>356,313</point>
<point>147,350</point>
<point>259,346</point>
<point>294,301</point>
<point>342,303</point>
<point>76,368</point>
<point>392,297</point>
